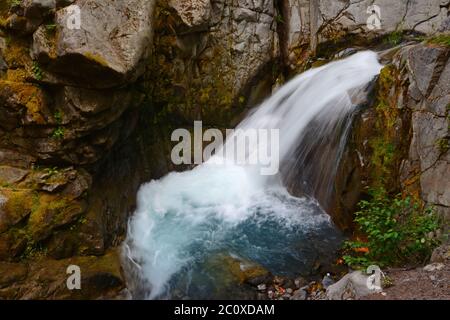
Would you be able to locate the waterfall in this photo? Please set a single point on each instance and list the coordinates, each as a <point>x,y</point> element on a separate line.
<point>221,207</point>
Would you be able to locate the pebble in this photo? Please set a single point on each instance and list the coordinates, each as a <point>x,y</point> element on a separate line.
<point>289,290</point>
<point>434,267</point>
<point>299,295</point>
<point>262,287</point>
<point>300,282</point>
<point>327,281</point>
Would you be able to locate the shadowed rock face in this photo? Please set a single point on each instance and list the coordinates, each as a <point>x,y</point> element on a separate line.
<point>68,112</point>
<point>211,59</point>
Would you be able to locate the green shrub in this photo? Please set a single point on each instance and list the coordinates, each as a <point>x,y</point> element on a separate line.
<point>397,232</point>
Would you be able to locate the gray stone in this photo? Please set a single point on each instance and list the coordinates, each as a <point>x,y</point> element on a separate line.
<point>422,63</point>
<point>351,286</point>
<point>262,287</point>
<point>193,12</point>
<point>309,23</point>
<point>11,175</point>
<point>299,295</point>
<point>108,50</point>
<point>434,267</point>
<point>300,282</point>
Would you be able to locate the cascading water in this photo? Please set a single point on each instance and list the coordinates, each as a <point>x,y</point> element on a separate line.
<point>184,221</point>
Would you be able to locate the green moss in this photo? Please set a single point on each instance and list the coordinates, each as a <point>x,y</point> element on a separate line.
<point>97,58</point>
<point>443,145</point>
<point>442,39</point>
<point>384,141</point>
<point>51,212</point>
<point>394,38</point>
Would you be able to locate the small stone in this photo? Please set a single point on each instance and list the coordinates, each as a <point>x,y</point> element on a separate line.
<point>262,287</point>
<point>289,291</point>
<point>327,281</point>
<point>300,282</point>
<point>299,295</point>
<point>434,267</point>
<point>270,294</point>
<point>432,278</point>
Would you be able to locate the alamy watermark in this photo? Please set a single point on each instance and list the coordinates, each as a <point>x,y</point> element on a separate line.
<point>73,21</point>
<point>255,147</point>
<point>74,280</point>
<point>373,282</point>
<point>72,14</point>
<point>374,20</point>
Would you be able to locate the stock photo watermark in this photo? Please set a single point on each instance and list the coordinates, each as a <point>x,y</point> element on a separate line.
<point>243,147</point>
<point>74,280</point>
<point>374,20</point>
<point>73,21</point>
<point>373,282</point>
<point>71,14</point>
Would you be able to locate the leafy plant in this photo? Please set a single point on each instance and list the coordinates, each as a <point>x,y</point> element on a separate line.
<point>15,3</point>
<point>279,19</point>
<point>52,171</point>
<point>58,116</point>
<point>51,27</point>
<point>394,38</point>
<point>58,133</point>
<point>396,231</point>
<point>37,71</point>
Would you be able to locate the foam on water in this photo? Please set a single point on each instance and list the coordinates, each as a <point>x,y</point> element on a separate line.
<point>184,218</point>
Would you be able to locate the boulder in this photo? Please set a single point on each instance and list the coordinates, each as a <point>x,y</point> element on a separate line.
<point>101,278</point>
<point>109,49</point>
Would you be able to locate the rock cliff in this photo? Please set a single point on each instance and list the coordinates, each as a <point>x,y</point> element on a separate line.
<point>86,113</point>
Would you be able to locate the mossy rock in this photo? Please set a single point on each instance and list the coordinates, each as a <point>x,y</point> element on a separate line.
<point>51,212</point>
<point>25,95</point>
<point>236,269</point>
<point>15,205</point>
<point>44,278</point>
